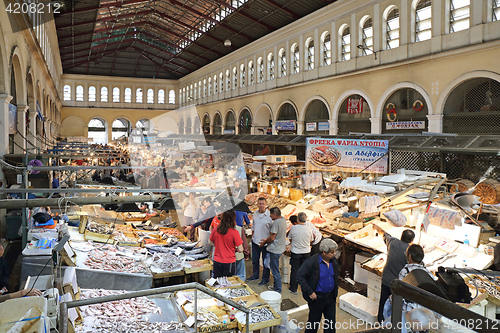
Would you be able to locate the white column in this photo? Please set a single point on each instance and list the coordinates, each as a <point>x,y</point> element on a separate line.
<point>4,123</point>
<point>403,23</point>
<point>300,128</point>
<point>334,126</point>
<point>376,123</point>
<point>275,132</point>
<point>21,130</point>
<point>435,123</point>
<point>378,34</point>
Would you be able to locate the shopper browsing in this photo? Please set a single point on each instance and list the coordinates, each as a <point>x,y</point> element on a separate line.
<point>261,227</point>
<point>301,237</point>
<point>318,278</point>
<point>396,260</point>
<point>226,241</point>
<point>276,244</point>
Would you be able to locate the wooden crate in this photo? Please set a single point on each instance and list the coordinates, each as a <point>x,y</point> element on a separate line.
<point>250,299</point>
<point>168,274</point>
<point>258,326</point>
<point>207,266</point>
<point>241,286</point>
<point>84,219</point>
<point>97,237</point>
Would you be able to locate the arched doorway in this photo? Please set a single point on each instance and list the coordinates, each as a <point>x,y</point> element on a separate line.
<point>206,124</point>
<point>230,126</point>
<point>286,122</point>
<point>16,121</point>
<point>354,115</point>
<point>217,123</point>
<point>197,125</point>
<point>142,130</point>
<point>316,118</point>
<point>188,125</point>
<point>473,107</point>
<point>245,122</point>
<point>120,129</point>
<point>405,112</point>
<point>263,120</point>
<point>97,132</point>
<point>180,127</point>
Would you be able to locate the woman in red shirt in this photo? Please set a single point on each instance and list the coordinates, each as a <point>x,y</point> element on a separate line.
<point>226,241</point>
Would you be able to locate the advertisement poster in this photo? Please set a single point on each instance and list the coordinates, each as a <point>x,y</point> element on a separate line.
<point>229,131</point>
<point>323,126</point>
<point>355,105</point>
<point>310,127</point>
<point>405,125</point>
<point>286,125</point>
<point>348,154</point>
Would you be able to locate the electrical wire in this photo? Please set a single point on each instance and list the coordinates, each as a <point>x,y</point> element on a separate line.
<point>38,276</point>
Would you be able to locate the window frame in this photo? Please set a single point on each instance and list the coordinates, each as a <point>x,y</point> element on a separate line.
<point>309,53</point>
<point>345,48</point>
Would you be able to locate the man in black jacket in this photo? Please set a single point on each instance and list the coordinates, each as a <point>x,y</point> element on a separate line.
<point>318,278</point>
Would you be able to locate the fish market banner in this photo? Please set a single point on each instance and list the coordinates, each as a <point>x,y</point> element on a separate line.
<point>349,154</point>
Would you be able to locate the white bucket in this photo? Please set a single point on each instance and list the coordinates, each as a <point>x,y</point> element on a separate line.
<point>272,298</point>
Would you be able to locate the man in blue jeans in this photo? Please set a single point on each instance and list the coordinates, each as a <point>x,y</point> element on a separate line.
<point>260,231</point>
<point>276,243</point>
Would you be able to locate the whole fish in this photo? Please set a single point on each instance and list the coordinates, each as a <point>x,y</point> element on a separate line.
<point>192,257</point>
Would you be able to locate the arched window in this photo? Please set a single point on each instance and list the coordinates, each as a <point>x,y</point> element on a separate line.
<point>235,78</point>
<point>67,93</point>
<point>143,127</point>
<point>423,20</point>
<point>459,15</point>
<point>310,53</point>
<point>270,66</point>
<point>392,27</point>
<point>120,129</point>
<point>251,73</point>
<point>228,80</point>
<point>495,10</point>
<point>180,96</point>
<point>217,129</point>
<point>210,86</point>
<point>150,96</point>
<point>245,123</point>
<point>104,94</point>
<point>221,82</point>
<point>199,89</point>
<point>345,43</point>
<point>191,92</point>
<point>242,75</point>
<point>195,93</point>
<point>295,59</point>
<point>128,95</point>
<point>92,94</point>
<point>161,96</point>
<point>282,55</point>
<point>97,131</point>
<point>79,94</point>
<point>205,87</point>
<point>116,95</point>
<point>326,51</point>
<point>138,95</point>
<point>367,36</point>
<point>171,97</point>
<point>260,70</point>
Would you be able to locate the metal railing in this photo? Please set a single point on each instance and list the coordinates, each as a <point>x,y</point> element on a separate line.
<point>64,306</point>
<point>434,303</point>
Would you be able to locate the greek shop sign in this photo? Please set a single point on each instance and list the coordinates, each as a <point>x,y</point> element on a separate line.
<point>349,154</point>
<point>286,125</point>
<point>405,125</point>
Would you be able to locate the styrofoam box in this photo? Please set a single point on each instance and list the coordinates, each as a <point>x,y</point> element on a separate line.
<point>362,256</point>
<point>360,274</point>
<point>359,306</point>
<point>373,294</point>
<point>14,309</point>
<point>374,281</point>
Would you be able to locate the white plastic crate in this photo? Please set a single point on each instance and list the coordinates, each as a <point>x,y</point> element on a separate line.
<point>359,306</point>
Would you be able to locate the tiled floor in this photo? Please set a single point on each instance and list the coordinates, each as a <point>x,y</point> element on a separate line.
<point>345,321</point>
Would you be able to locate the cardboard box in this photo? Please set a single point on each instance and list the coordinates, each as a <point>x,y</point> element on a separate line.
<point>360,307</point>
